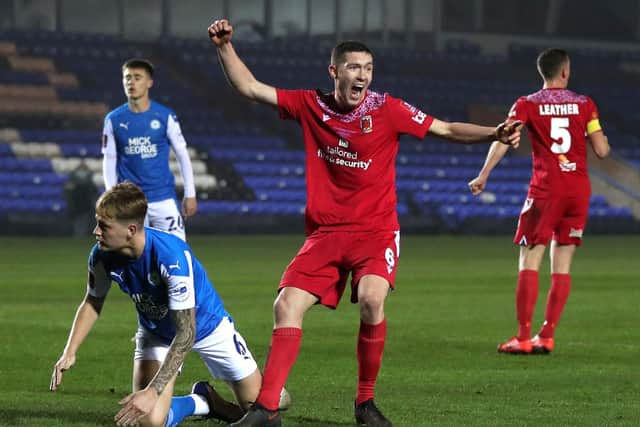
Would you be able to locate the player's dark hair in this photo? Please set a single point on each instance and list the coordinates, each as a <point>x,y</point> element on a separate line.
<point>123,202</point>
<point>550,62</point>
<point>139,63</point>
<point>338,52</point>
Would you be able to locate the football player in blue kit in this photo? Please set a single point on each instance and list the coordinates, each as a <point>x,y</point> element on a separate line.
<point>136,140</point>
<point>178,310</point>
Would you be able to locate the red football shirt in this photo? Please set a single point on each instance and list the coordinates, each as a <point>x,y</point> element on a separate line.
<point>557,121</point>
<point>350,158</point>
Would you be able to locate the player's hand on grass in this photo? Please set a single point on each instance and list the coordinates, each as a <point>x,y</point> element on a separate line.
<point>135,406</point>
<point>220,32</point>
<point>508,133</point>
<point>477,185</point>
<point>63,364</point>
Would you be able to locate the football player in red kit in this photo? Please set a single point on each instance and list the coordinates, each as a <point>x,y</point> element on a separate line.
<point>557,203</point>
<point>351,143</point>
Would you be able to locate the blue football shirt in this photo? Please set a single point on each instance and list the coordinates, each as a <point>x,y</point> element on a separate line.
<point>141,143</point>
<point>167,276</point>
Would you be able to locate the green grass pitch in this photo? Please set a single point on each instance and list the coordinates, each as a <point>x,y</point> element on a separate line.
<point>454,303</point>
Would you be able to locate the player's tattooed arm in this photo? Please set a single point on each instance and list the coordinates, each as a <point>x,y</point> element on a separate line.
<point>185,324</point>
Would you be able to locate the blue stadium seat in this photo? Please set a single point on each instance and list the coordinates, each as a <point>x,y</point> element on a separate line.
<point>269,169</point>
<point>258,183</point>
<point>81,150</point>
<point>5,150</point>
<point>25,165</point>
<point>11,178</point>
<point>267,155</point>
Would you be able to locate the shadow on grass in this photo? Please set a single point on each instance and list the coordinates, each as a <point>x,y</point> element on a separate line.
<point>54,416</point>
<point>287,421</point>
<point>66,416</point>
<point>315,422</point>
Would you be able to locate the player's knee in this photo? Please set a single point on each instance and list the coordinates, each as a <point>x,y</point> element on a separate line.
<point>284,309</point>
<point>371,304</point>
<point>288,310</point>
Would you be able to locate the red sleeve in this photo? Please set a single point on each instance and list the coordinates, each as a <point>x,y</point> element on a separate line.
<point>591,117</point>
<point>408,119</point>
<point>593,110</point>
<point>290,103</point>
<point>519,111</point>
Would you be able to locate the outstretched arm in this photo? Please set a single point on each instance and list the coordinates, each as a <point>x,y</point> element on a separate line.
<point>238,75</point>
<point>495,154</point>
<point>507,133</point>
<point>140,403</point>
<point>86,316</point>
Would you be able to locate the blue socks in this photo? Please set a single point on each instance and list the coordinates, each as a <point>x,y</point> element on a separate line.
<point>181,407</point>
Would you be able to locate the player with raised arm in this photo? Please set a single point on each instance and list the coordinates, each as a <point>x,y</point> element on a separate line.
<point>137,137</point>
<point>557,203</point>
<point>178,310</point>
<point>351,143</point>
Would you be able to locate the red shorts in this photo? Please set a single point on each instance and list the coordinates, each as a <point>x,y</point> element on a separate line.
<point>559,218</point>
<point>323,264</point>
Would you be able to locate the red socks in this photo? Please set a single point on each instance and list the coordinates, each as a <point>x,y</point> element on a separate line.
<point>285,346</point>
<point>371,339</point>
<point>558,294</point>
<point>526,296</point>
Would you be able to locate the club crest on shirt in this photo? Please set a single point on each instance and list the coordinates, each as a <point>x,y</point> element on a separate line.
<point>366,123</point>
<point>155,124</point>
<point>154,278</point>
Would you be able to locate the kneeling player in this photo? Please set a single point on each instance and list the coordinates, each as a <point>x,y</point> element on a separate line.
<point>178,310</point>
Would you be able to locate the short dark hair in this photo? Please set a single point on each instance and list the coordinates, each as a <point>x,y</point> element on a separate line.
<point>338,52</point>
<point>551,61</point>
<point>139,63</point>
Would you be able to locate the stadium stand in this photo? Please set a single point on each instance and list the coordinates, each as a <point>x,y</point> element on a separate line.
<point>249,166</point>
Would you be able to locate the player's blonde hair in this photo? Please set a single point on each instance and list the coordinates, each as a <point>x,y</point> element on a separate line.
<point>123,202</point>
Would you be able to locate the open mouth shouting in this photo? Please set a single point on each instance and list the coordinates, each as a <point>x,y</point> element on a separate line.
<point>356,90</point>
